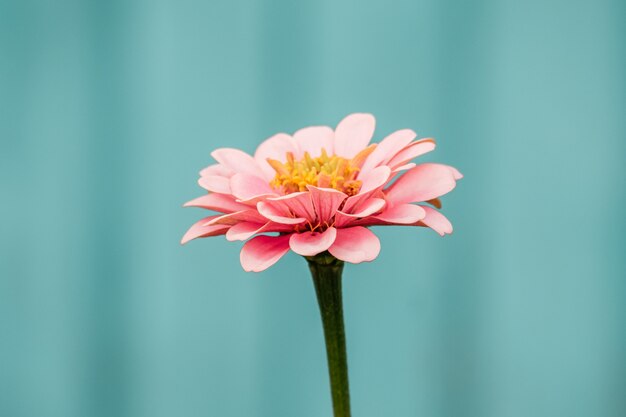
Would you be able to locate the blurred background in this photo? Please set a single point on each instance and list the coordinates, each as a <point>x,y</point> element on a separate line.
<point>108,110</point>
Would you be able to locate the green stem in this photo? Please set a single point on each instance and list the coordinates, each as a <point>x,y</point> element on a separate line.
<point>326,271</point>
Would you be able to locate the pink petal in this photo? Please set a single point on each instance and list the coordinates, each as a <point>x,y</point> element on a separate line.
<point>312,243</point>
<point>217,169</point>
<point>247,187</point>
<point>353,134</point>
<point>355,245</point>
<point>299,204</point>
<point>218,202</point>
<point>253,201</point>
<point>343,220</point>
<point>388,148</point>
<point>199,229</point>
<point>313,139</point>
<point>373,181</point>
<point>436,221</point>
<point>278,212</point>
<point>263,251</point>
<point>457,174</point>
<point>237,161</point>
<point>276,147</point>
<point>414,150</point>
<point>245,230</point>
<point>403,167</point>
<point>402,214</point>
<point>422,183</point>
<point>215,184</point>
<point>250,215</point>
<point>326,202</point>
<point>367,208</point>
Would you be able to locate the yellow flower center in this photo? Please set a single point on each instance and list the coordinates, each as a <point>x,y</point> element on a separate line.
<point>322,171</point>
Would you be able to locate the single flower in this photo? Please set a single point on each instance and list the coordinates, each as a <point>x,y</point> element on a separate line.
<point>316,193</point>
<point>320,190</point>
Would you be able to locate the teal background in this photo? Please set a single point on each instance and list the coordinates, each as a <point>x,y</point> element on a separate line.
<point>108,109</point>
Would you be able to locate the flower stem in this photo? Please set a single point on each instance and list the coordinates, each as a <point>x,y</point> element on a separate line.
<point>326,271</point>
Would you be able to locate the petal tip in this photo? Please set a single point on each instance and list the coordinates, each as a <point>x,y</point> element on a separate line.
<point>311,244</point>
<point>361,115</point>
<point>261,252</point>
<point>355,245</point>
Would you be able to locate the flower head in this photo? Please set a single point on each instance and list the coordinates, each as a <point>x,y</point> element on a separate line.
<point>319,190</point>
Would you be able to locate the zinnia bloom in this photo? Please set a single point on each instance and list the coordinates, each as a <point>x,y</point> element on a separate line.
<point>319,190</point>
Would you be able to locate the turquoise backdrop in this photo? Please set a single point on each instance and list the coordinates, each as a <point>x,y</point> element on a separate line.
<point>108,109</point>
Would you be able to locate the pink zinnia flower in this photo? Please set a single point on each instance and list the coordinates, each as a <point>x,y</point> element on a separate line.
<point>320,190</point>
